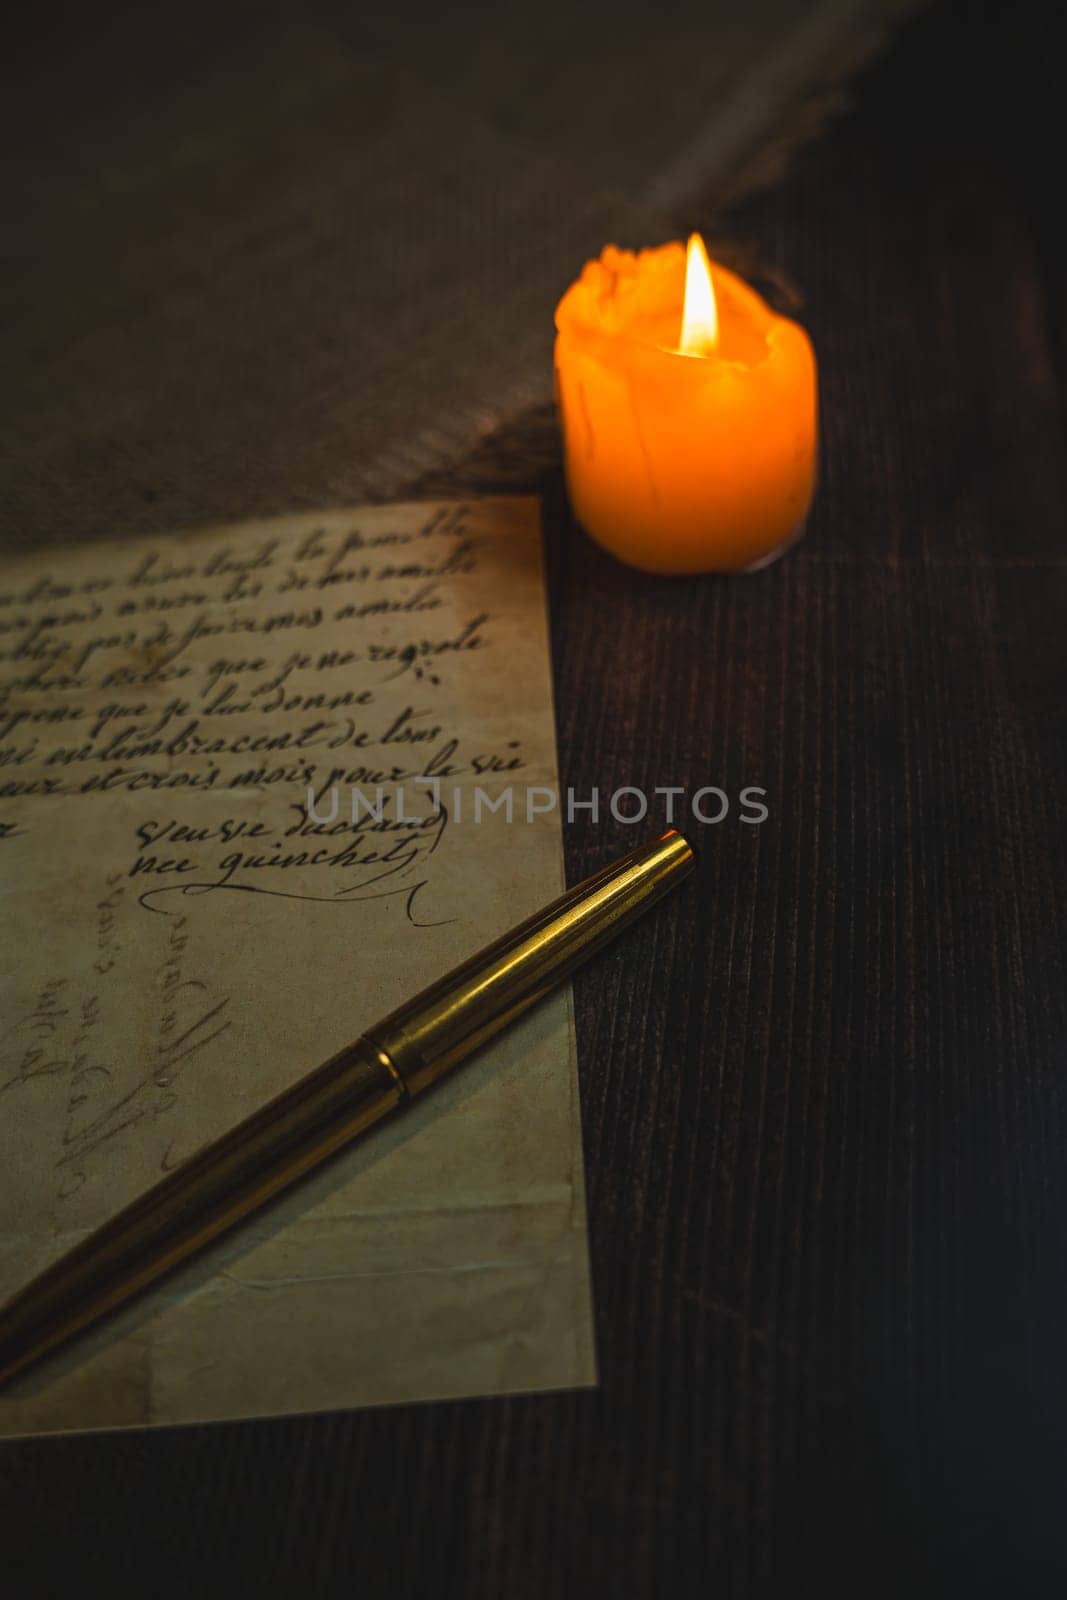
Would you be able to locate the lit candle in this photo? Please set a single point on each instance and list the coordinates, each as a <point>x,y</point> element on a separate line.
<point>688,410</point>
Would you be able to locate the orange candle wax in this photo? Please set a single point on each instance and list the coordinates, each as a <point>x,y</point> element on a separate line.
<point>688,410</point>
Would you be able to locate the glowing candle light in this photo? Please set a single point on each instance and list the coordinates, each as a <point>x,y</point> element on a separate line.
<point>689,412</point>
<point>700,314</point>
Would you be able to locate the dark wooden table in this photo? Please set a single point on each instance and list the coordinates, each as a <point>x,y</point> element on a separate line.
<point>825,1093</point>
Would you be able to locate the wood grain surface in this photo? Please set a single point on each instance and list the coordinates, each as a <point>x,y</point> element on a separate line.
<point>825,1089</point>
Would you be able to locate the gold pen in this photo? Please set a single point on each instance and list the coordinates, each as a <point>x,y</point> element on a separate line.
<point>391,1064</point>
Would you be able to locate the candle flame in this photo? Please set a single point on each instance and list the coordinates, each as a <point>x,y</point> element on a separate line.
<point>700,316</point>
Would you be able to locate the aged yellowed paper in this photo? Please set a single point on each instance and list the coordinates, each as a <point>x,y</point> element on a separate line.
<point>253,794</point>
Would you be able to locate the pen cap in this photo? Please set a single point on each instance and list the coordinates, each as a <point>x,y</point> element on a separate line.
<point>464,1009</point>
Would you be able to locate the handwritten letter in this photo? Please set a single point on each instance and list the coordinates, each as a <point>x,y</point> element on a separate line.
<point>257,786</point>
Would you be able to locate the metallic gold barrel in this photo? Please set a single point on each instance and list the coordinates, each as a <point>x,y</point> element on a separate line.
<point>303,1127</point>
<point>426,1037</point>
<point>200,1200</point>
